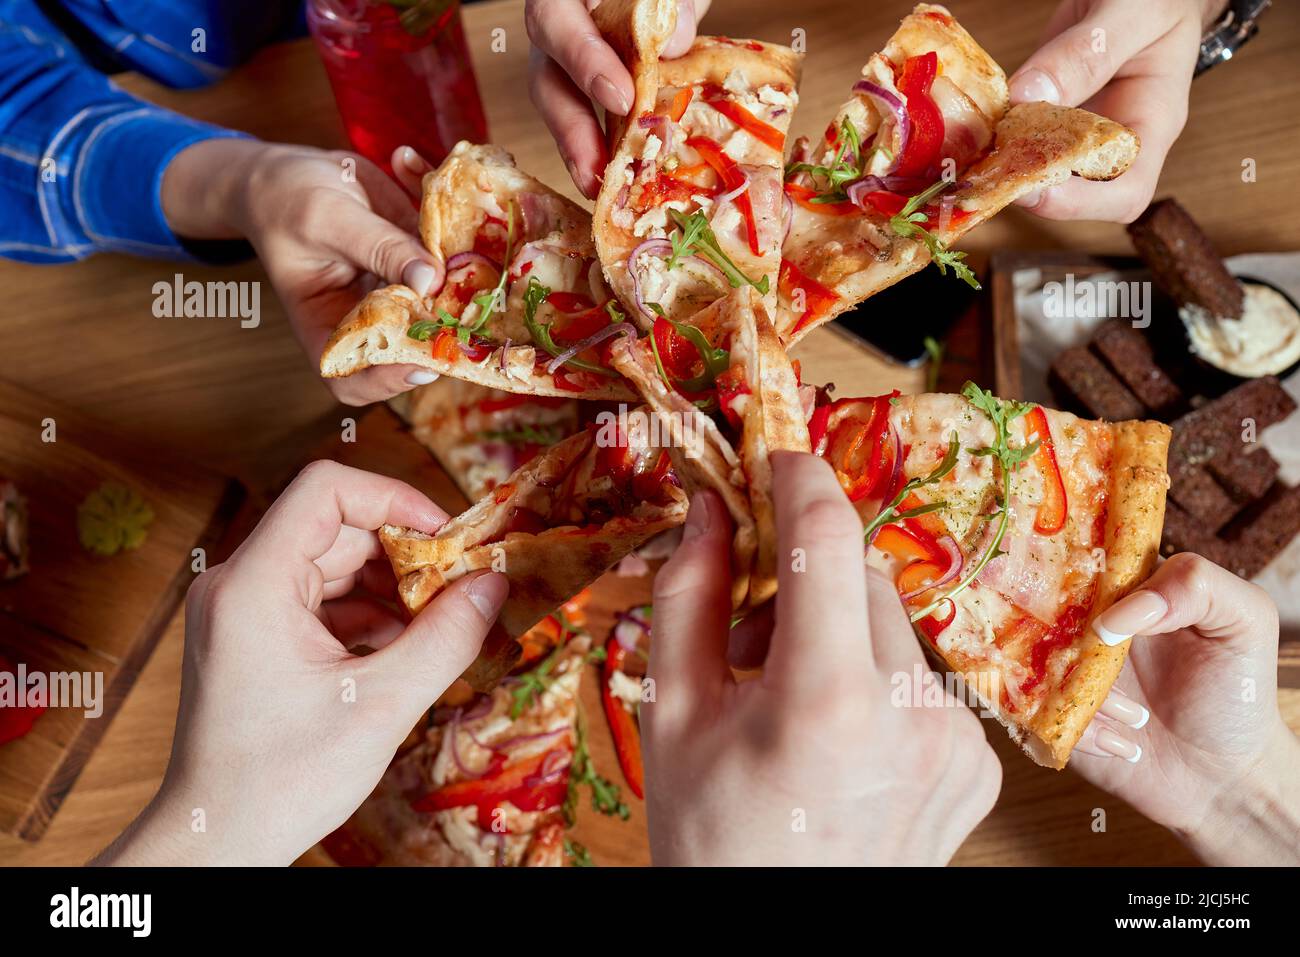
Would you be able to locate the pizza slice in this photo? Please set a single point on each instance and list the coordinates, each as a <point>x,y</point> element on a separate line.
<point>480,436</point>
<point>727,396</point>
<point>552,528</point>
<point>691,203</point>
<point>1007,529</point>
<point>13,531</point>
<point>485,783</point>
<point>501,234</point>
<point>925,151</point>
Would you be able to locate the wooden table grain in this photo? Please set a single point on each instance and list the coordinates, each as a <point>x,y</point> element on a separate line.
<point>244,401</point>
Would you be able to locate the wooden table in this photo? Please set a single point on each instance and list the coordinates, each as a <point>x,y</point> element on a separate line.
<point>246,403</point>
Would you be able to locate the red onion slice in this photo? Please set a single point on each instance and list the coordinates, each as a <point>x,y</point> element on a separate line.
<point>955,563</point>
<point>895,107</point>
<point>629,628</point>
<point>653,247</point>
<point>468,258</point>
<point>660,126</point>
<point>614,329</point>
<point>729,196</point>
<point>501,362</point>
<point>946,203</point>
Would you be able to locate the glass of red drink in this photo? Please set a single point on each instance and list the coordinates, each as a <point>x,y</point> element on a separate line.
<point>401,75</point>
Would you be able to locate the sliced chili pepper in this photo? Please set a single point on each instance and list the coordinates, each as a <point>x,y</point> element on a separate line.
<point>804,195</point>
<point>520,784</point>
<point>1054,509</point>
<point>681,100</point>
<point>817,299</point>
<point>731,384</point>
<point>732,178</point>
<point>925,142</point>
<point>860,453</point>
<point>908,546</point>
<point>623,724</point>
<point>765,133</point>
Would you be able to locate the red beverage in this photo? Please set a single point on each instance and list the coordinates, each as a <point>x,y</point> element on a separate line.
<point>401,75</point>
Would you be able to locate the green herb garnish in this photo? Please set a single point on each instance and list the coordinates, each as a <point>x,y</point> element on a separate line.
<point>696,238</point>
<point>906,223</point>
<point>890,512</point>
<point>847,165</point>
<point>534,296</point>
<point>605,795</point>
<point>1007,458</point>
<point>113,518</point>
<point>577,854</point>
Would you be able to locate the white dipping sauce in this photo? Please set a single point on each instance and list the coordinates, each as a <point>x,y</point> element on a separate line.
<point>1264,341</point>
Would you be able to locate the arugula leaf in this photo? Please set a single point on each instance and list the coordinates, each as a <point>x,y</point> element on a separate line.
<point>697,239</point>
<point>423,329</point>
<point>494,299</point>
<point>906,223</point>
<point>846,166</point>
<point>934,349</point>
<point>524,435</point>
<point>605,794</point>
<point>890,512</point>
<point>534,296</point>
<point>1007,458</point>
<point>113,518</point>
<point>577,854</point>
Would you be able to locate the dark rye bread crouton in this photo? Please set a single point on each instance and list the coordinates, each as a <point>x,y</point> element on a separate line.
<point>1220,430</point>
<point>1246,476</point>
<point>1183,261</point>
<point>1081,383</point>
<point>1129,355</point>
<point>1196,491</point>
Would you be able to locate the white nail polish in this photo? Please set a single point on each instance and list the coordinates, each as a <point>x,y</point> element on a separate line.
<point>1142,722</point>
<point>1107,636</point>
<point>421,377</point>
<point>1137,755</point>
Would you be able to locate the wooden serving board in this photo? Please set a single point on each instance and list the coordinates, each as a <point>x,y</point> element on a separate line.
<point>74,611</point>
<point>382,444</point>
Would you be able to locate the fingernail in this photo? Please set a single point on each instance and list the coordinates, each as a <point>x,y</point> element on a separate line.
<point>1119,746</point>
<point>697,519</point>
<point>412,160</point>
<point>487,593</point>
<point>1032,199</point>
<point>1033,85</point>
<point>419,276</point>
<point>1125,710</point>
<point>1128,616</point>
<point>580,181</point>
<point>604,92</point>
<point>421,377</point>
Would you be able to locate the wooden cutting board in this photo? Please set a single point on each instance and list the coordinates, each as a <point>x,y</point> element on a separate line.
<point>380,443</point>
<point>74,611</point>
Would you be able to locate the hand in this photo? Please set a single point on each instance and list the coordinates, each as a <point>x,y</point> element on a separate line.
<point>282,730</point>
<point>1131,62</point>
<point>328,226</point>
<point>736,769</point>
<point>1191,735</point>
<point>570,65</point>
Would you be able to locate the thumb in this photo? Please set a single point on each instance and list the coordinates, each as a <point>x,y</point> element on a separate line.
<point>439,644</point>
<point>1076,63</point>
<point>374,244</point>
<point>689,13</point>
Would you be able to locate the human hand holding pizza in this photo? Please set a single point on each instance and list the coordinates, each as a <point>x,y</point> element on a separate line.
<point>328,226</point>
<point>1131,62</point>
<point>1195,715</point>
<point>570,65</point>
<point>283,730</point>
<point>809,763</point>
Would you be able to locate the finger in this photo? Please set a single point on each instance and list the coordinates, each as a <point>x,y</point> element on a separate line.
<point>692,605</point>
<point>379,383</point>
<point>568,116</point>
<point>1078,61</point>
<point>373,243</point>
<point>357,621</point>
<point>564,31</point>
<point>304,522</point>
<point>1155,107</point>
<point>689,13</point>
<point>1189,591</point>
<point>1101,740</point>
<point>893,640</point>
<point>375,578</point>
<point>409,167</point>
<point>351,549</point>
<point>822,633</point>
<point>439,644</point>
<point>748,642</point>
<point>1122,709</point>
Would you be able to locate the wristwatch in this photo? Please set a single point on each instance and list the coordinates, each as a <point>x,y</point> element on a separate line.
<point>1237,24</point>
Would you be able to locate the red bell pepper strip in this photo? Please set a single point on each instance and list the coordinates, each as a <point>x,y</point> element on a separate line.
<point>917,576</point>
<point>681,100</point>
<point>622,723</point>
<point>861,455</point>
<point>522,785</point>
<point>720,100</point>
<point>803,195</point>
<point>731,384</point>
<point>933,625</point>
<point>1053,509</point>
<point>817,299</point>
<point>908,545</point>
<point>732,178</point>
<point>925,142</point>
<point>569,301</point>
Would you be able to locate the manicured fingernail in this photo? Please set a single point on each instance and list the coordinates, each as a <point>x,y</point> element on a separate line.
<point>1119,746</point>
<point>697,519</point>
<point>413,161</point>
<point>421,377</point>
<point>419,276</point>
<point>1125,710</point>
<point>1128,616</point>
<point>1032,86</point>
<point>609,96</point>
<point>1032,199</point>
<point>487,593</point>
